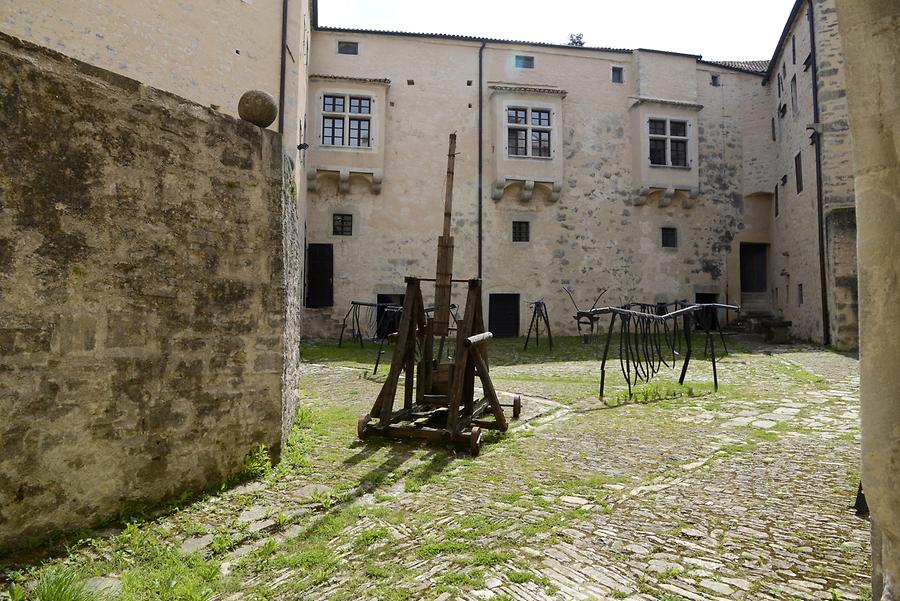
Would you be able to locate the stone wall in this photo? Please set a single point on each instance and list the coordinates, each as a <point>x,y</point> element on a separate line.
<point>149,256</point>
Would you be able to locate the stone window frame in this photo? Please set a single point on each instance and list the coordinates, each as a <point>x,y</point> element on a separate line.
<point>530,128</point>
<point>517,236</point>
<point>524,61</point>
<point>347,44</point>
<point>673,237</point>
<point>615,70</point>
<point>341,224</point>
<point>349,121</point>
<point>668,138</point>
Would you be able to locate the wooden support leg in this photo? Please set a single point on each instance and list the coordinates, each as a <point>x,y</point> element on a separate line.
<point>489,392</point>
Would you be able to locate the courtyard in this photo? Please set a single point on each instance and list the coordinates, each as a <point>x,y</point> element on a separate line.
<point>679,492</point>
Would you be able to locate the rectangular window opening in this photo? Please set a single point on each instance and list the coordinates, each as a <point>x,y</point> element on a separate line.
<point>348,48</point>
<point>524,62</point>
<point>668,143</point>
<point>618,75</point>
<point>346,121</point>
<point>795,107</point>
<point>669,237</point>
<point>715,80</point>
<point>798,173</point>
<point>521,231</point>
<point>342,224</point>
<point>800,294</point>
<point>776,201</point>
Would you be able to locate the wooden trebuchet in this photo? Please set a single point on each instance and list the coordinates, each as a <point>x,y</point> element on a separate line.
<point>439,403</point>
<point>444,269</point>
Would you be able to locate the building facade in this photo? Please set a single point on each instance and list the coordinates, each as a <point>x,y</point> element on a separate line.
<point>649,174</point>
<point>652,175</point>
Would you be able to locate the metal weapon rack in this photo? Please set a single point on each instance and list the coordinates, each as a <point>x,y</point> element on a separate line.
<point>439,403</point>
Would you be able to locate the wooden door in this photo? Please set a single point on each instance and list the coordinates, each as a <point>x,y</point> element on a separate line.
<point>503,315</point>
<point>753,267</point>
<point>319,275</point>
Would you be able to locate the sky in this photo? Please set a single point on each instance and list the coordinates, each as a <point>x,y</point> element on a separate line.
<point>716,29</point>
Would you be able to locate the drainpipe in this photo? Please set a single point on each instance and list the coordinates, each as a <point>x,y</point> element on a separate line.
<point>817,142</point>
<point>480,157</point>
<point>281,85</point>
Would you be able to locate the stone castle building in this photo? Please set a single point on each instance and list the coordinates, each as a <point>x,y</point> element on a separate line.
<point>176,249</point>
<point>652,174</point>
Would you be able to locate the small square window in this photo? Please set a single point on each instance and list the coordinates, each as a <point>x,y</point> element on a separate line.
<point>362,106</point>
<point>516,116</point>
<point>715,80</point>
<point>342,224</point>
<point>521,231</point>
<point>540,117</point>
<point>524,62</point>
<point>669,237</point>
<point>333,104</point>
<point>618,75</point>
<point>657,127</point>
<point>678,128</point>
<point>348,48</point>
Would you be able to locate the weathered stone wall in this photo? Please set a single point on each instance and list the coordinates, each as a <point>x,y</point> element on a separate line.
<point>144,267</point>
<point>600,233</point>
<point>795,249</point>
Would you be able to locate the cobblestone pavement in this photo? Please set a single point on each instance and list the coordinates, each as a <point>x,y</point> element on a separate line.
<point>688,494</point>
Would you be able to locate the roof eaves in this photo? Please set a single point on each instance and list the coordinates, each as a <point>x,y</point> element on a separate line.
<point>781,40</point>
<point>734,66</point>
<point>467,38</point>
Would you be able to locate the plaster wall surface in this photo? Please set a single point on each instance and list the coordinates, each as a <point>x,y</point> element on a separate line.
<point>601,231</point>
<point>147,246</point>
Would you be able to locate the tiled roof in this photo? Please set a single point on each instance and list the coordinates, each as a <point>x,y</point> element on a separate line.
<point>749,66</point>
<point>467,38</point>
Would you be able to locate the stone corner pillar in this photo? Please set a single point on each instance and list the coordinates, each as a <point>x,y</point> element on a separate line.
<point>870,35</point>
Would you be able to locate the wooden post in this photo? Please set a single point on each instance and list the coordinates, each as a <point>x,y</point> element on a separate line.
<point>444,270</point>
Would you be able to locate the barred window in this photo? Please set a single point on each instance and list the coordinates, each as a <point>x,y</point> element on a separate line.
<point>520,231</point>
<point>669,237</point>
<point>346,121</point>
<point>348,47</point>
<point>618,75</point>
<point>529,132</point>
<point>342,224</point>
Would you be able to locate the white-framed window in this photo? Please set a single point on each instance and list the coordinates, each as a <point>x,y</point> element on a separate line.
<point>346,120</point>
<point>669,142</point>
<point>529,131</point>
<point>617,74</point>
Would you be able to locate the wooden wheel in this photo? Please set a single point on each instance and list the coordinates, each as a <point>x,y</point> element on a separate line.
<point>517,406</point>
<point>475,441</point>
<point>361,426</point>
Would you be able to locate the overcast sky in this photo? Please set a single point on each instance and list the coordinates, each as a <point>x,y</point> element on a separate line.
<point>717,29</point>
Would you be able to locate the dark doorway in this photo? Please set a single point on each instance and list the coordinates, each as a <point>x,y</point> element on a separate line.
<point>707,318</point>
<point>388,319</point>
<point>753,267</point>
<point>503,315</point>
<point>319,275</point>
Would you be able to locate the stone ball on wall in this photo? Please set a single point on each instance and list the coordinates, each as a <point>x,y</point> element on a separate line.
<point>258,108</point>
